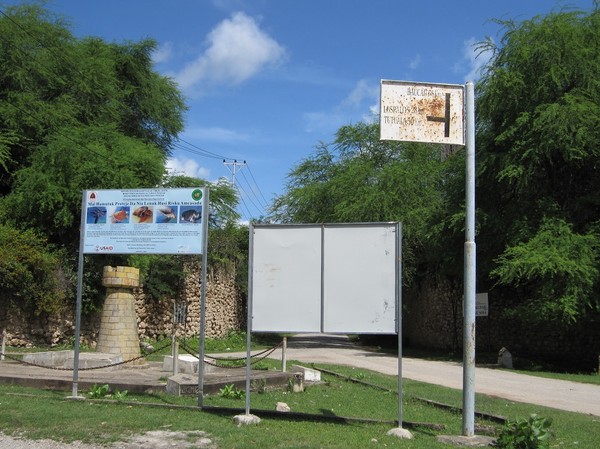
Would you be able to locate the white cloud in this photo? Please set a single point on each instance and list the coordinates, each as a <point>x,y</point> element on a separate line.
<point>237,50</point>
<point>363,91</point>
<point>476,59</point>
<point>187,167</point>
<point>217,134</point>
<point>163,53</point>
<point>363,97</point>
<point>415,62</point>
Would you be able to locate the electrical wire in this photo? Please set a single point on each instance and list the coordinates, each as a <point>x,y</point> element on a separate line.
<point>257,186</point>
<point>252,190</point>
<point>249,198</point>
<point>202,150</point>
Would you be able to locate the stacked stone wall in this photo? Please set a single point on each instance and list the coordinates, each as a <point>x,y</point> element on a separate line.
<point>225,312</point>
<point>432,318</point>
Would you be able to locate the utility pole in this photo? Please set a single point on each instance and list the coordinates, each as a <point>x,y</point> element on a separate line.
<point>233,167</point>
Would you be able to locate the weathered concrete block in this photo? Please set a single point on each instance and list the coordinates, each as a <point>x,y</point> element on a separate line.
<point>309,374</point>
<point>182,385</point>
<point>187,364</point>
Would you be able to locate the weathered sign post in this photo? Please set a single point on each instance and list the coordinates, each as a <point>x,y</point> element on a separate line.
<point>442,113</point>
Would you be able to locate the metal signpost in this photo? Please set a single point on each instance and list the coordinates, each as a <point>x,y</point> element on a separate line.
<point>442,113</point>
<point>143,221</point>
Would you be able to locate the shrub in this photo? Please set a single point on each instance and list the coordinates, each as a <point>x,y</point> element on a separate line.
<point>532,433</point>
<point>30,273</point>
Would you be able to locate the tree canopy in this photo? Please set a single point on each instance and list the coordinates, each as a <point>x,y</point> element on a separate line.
<point>538,112</point>
<point>77,114</point>
<point>359,178</point>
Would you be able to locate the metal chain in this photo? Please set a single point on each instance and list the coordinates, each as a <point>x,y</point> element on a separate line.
<point>85,369</point>
<point>265,354</point>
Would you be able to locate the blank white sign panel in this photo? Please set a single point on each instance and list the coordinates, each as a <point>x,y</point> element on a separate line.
<point>360,279</point>
<point>286,279</point>
<point>340,278</point>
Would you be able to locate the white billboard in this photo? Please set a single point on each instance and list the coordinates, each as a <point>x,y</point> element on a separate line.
<point>335,278</point>
<point>422,112</point>
<point>143,221</point>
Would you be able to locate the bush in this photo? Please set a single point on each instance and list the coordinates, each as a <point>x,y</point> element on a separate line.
<point>30,273</point>
<point>532,433</point>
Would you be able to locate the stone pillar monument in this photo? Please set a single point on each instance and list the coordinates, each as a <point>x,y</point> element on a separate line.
<point>118,326</point>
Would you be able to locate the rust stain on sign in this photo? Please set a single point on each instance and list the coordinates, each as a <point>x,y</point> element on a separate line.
<point>422,112</point>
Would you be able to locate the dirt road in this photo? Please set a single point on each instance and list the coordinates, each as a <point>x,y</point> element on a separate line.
<point>560,394</point>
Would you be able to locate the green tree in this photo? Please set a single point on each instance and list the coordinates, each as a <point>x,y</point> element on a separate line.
<point>51,83</point>
<point>359,178</point>
<point>46,195</point>
<point>538,111</point>
<point>75,114</point>
<point>30,273</point>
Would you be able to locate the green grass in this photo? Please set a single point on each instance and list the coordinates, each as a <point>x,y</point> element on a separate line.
<point>46,414</point>
<point>583,378</point>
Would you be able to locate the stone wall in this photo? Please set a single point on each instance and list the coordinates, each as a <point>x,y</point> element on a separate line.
<point>225,312</point>
<point>432,315</point>
<point>225,309</point>
<point>432,318</point>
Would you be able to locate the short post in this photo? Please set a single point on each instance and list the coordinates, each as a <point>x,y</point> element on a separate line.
<point>3,344</point>
<point>284,355</point>
<point>175,351</point>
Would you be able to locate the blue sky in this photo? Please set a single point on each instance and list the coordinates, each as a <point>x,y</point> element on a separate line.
<point>267,80</point>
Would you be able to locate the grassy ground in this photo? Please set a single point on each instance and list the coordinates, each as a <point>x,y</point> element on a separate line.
<point>46,414</point>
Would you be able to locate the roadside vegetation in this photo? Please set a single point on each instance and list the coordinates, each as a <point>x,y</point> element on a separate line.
<point>100,117</point>
<point>35,414</point>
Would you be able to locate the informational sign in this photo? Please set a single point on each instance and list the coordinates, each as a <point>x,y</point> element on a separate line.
<point>143,221</point>
<point>422,112</point>
<point>482,305</point>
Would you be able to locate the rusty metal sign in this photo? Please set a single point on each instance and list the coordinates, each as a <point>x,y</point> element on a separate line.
<point>422,112</point>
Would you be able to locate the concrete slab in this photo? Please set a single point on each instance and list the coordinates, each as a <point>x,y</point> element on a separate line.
<point>310,375</point>
<point>138,379</point>
<point>65,359</point>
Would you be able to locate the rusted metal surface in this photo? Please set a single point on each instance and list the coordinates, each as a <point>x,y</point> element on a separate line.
<point>422,112</point>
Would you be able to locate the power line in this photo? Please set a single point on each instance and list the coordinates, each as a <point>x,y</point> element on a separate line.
<point>249,198</point>
<point>263,206</point>
<point>202,150</point>
<point>241,197</point>
<point>257,186</point>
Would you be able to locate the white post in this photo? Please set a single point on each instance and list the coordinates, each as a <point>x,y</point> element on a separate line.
<point>468,422</point>
<point>175,351</point>
<point>284,355</point>
<point>3,344</point>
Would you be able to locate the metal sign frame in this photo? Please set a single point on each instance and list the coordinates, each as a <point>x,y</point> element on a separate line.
<point>422,112</point>
<point>197,196</point>
<point>285,246</point>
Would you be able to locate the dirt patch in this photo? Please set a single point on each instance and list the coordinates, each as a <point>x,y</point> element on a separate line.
<point>150,440</point>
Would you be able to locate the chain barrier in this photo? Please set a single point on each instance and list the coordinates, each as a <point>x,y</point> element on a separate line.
<point>262,354</point>
<point>266,353</point>
<point>86,369</point>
